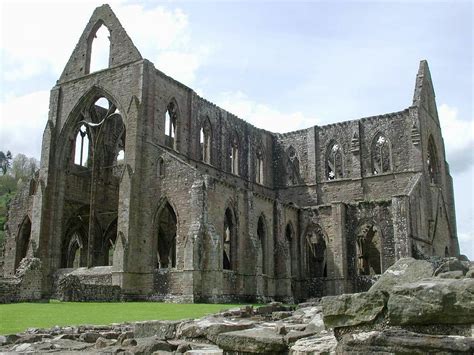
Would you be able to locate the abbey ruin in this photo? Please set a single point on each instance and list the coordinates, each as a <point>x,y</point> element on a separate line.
<point>148,191</point>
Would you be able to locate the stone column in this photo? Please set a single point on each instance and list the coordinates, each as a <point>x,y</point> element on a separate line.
<point>340,271</point>
<point>401,226</point>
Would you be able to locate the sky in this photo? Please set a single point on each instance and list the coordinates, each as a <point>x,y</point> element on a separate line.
<point>281,65</point>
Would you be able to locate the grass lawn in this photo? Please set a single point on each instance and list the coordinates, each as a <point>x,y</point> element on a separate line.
<point>17,317</point>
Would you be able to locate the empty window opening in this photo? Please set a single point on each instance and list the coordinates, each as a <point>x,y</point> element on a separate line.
<point>432,162</point>
<point>205,135</point>
<point>161,168</point>
<point>120,155</point>
<point>368,251</point>
<point>289,239</point>
<point>262,236</point>
<point>228,240</point>
<point>76,252</point>
<point>446,252</point>
<point>292,167</point>
<point>23,241</point>
<point>259,167</point>
<point>171,125</point>
<point>316,247</point>
<point>381,155</point>
<point>334,162</point>
<point>100,50</point>
<point>234,157</point>
<point>81,153</point>
<point>167,228</point>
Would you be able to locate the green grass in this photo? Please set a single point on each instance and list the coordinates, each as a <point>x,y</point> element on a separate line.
<point>17,317</point>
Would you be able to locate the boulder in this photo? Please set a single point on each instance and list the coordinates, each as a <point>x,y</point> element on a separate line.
<point>458,274</point>
<point>324,343</point>
<point>432,301</point>
<point>258,340</point>
<point>89,337</point>
<point>151,344</point>
<point>403,271</point>
<point>451,264</point>
<point>211,327</point>
<point>161,329</point>
<point>352,309</point>
<point>402,341</point>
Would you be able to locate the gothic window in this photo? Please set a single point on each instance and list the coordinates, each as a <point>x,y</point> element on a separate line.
<point>292,166</point>
<point>98,50</point>
<point>316,252</point>
<point>228,240</point>
<point>167,228</point>
<point>161,168</point>
<point>381,155</point>
<point>432,162</point>
<point>81,152</point>
<point>171,121</point>
<point>334,162</point>
<point>289,236</point>
<point>23,241</point>
<point>205,141</point>
<point>234,155</point>
<point>368,250</point>
<point>76,252</point>
<point>262,237</point>
<point>259,166</point>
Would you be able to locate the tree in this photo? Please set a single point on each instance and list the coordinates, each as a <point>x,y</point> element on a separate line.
<point>23,167</point>
<point>5,161</point>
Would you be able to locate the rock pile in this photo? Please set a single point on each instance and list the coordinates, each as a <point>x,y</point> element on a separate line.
<point>415,307</point>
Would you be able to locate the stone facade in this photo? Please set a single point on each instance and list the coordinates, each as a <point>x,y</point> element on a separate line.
<point>184,201</point>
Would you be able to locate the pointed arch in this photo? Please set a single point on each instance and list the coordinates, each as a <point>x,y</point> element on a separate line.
<point>369,249</point>
<point>171,124</point>
<point>292,166</point>
<point>98,48</point>
<point>432,161</point>
<point>316,251</point>
<point>259,164</point>
<point>109,242</point>
<point>262,234</point>
<point>229,240</point>
<point>23,240</point>
<point>381,154</point>
<point>334,161</point>
<point>166,229</point>
<point>74,243</point>
<point>234,153</point>
<point>205,140</point>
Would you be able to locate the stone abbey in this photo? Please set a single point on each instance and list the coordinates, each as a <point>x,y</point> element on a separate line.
<point>148,191</point>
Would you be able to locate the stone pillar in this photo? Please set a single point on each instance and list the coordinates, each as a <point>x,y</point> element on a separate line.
<point>340,266</point>
<point>401,226</point>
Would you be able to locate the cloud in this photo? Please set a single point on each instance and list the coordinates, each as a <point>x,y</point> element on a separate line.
<point>262,115</point>
<point>23,120</point>
<point>458,135</point>
<point>466,244</point>
<point>41,45</point>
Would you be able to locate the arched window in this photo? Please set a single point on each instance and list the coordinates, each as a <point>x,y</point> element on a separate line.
<point>432,161</point>
<point>161,168</point>
<point>292,166</point>
<point>167,228</point>
<point>76,253</point>
<point>234,155</point>
<point>262,237</point>
<point>23,241</point>
<point>289,236</point>
<point>171,121</point>
<point>81,152</point>
<point>334,162</point>
<point>369,250</point>
<point>259,169</point>
<point>381,155</point>
<point>316,252</point>
<point>205,139</point>
<point>98,49</point>
<point>228,240</point>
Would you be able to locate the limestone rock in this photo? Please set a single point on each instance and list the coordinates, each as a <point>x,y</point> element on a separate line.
<point>352,309</point>
<point>432,301</point>
<point>324,343</point>
<point>151,344</point>
<point>458,274</point>
<point>161,329</point>
<point>451,264</point>
<point>259,340</point>
<point>403,341</point>
<point>211,327</point>
<point>89,337</point>
<point>403,271</point>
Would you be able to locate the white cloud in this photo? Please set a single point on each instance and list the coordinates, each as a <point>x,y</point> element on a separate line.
<point>262,115</point>
<point>466,244</point>
<point>23,119</point>
<point>458,135</point>
<point>32,45</point>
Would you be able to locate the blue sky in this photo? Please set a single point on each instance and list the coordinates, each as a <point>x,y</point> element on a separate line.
<point>280,65</point>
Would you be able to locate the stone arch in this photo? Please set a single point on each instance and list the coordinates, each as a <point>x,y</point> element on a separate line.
<point>109,242</point>
<point>292,166</point>
<point>171,126</point>
<point>75,243</point>
<point>23,240</point>
<point>316,251</point>
<point>381,154</point>
<point>96,42</point>
<point>259,163</point>
<point>432,161</point>
<point>334,161</point>
<point>234,152</point>
<point>262,234</point>
<point>165,235</point>
<point>229,240</point>
<point>369,249</point>
<point>161,168</point>
<point>205,140</point>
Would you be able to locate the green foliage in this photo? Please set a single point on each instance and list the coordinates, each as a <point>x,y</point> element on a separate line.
<point>18,317</point>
